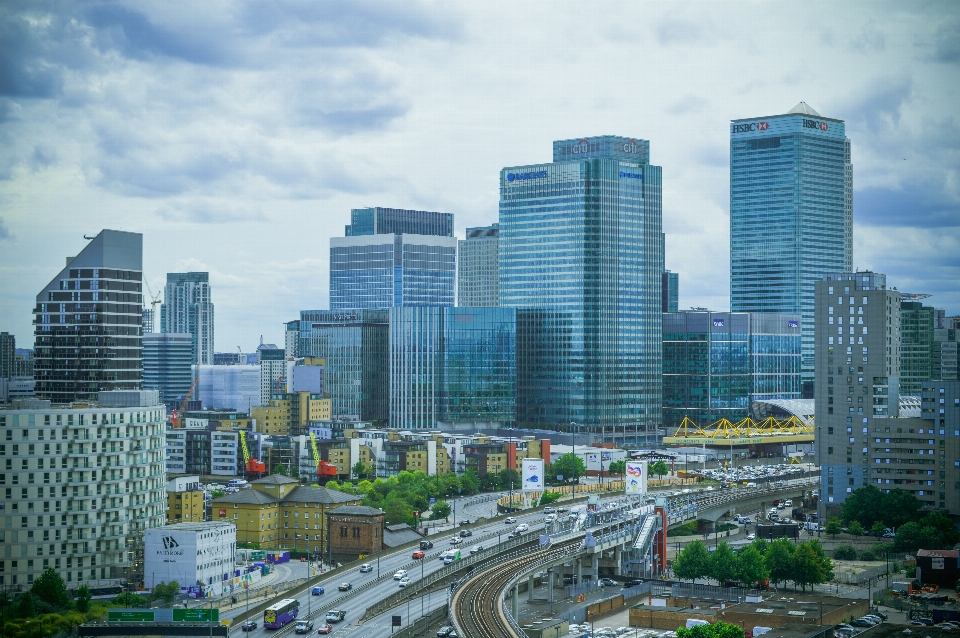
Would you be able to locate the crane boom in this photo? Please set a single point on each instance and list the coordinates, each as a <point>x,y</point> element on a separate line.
<point>178,414</point>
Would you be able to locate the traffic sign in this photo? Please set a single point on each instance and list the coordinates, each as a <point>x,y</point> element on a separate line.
<point>129,615</point>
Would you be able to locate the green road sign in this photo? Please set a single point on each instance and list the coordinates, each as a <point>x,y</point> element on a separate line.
<point>129,615</point>
<point>196,615</point>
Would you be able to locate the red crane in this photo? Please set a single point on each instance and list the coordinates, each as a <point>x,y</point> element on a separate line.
<point>177,415</point>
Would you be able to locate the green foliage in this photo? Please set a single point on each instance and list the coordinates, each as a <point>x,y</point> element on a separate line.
<point>869,504</point>
<point>166,591</point>
<point>568,466</point>
<point>332,485</point>
<point>396,511</point>
<point>509,479</point>
<point>834,526</point>
<point>280,469</point>
<point>693,562</point>
<point>808,568</point>
<point>130,600</point>
<point>23,606</point>
<point>360,470</point>
<point>855,528</point>
<point>659,468</point>
<point>867,554</point>
<point>215,494</point>
<point>83,599</point>
<point>51,589</point>
<point>723,563</point>
<point>845,552</point>
<point>549,497</point>
<point>878,529</point>
<point>470,482</point>
<point>687,529</point>
<point>779,559</point>
<point>907,538</point>
<point>761,545</point>
<point>713,630</point>
<point>618,468</point>
<point>440,509</point>
<point>751,568</point>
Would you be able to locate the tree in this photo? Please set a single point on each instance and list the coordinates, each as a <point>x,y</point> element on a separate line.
<point>693,562</point>
<point>360,470</point>
<point>834,526</point>
<point>440,509</point>
<point>900,507</point>
<point>931,538</point>
<point>83,599</point>
<point>568,466</point>
<point>166,591</point>
<point>855,528</point>
<point>332,485</point>
<point>713,630</point>
<point>398,511</point>
<point>807,567</point>
<point>907,538</point>
<point>24,606</point>
<point>723,563</point>
<point>51,589</point>
<point>470,482</point>
<point>509,479</point>
<point>280,469</point>
<point>549,497</point>
<point>779,559</point>
<point>129,599</point>
<point>878,529</point>
<point>942,523</point>
<point>845,552</point>
<point>863,504</point>
<point>751,568</point>
<point>659,468</point>
<point>618,468</point>
<point>825,562</point>
<point>215,494</point>
<point>761,545</point>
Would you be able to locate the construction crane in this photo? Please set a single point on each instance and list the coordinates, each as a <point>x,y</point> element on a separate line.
<point>177,415</point>
<point>253,466</point>
<point>324,470</point>
<point>154,300</point>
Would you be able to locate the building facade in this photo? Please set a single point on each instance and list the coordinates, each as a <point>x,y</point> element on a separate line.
<point>228,387</point>
<point>946,354</point>
<point>357,531</point>
<point>273,368</point>
<point>79,487</point>
<point>8,349</point>
<point>581,259</point>
<point>203,450</point>
<point>791,214</point>
<point>186,500</point>
<point>188,308</point>
<point>916,346</point>
<point>478,268</point>
<point>940,411</point>
<point>191,554</point>
<point>670,295</point>
<point>290,413</point>
<point>167,365</point>
<point>88,322</point>
<point>398,221</point>
<point>452,365</point>
<point>857,396</point>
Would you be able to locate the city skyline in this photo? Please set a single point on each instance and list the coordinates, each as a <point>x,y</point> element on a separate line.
<point>425,116</point>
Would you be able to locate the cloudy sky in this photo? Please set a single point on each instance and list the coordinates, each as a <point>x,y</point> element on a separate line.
<point>236,136</point>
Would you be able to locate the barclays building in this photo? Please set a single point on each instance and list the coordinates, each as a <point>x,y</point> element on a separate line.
<point>581,259</point>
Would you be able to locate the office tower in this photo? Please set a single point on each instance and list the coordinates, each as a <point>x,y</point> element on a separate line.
<point>187,307</point>
<point>229,358</point>
<point>478,268</point>
<point>291,339</point>
<point>791,214</point>
<point>670,292</point>
<point>916,344</point>
<point>88,332</point>
<point>857,330</point>
<point>581,259</point>
<point>715,364</point>
<point>273,366</point>
<point>147,320</point>
<point>946,355</point>
<point>167,365</point>
<point>8,349</point>
<point>355,349</point>
<point>234,387</point>
<point>23,363</point>
<point>392,257</point>
<point>88,479</point>
<point>451,366</point>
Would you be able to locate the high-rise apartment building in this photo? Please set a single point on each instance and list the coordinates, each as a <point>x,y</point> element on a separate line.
<point>8,349</point>
<point>273,368</point>
<point>148,320</point>
<point>670,292</point>
<point>203,450</point>
<point>791,214</point>
<point>88,321</point>
<point>187,307</point>
<point>857,328</point>
<point>946,354</point>
<point>581,259</point>
<point>393,257</point>
<point>916,345</point>
<point>167,365</point>
<point>938,486</point>
<point>478,268</point>
<point>452,366</point>
<point>81,484</point>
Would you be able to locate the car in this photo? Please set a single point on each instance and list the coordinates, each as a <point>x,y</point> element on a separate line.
<point>844,627</point>
<point>548,510</point>
<point>249,625</point>
<point>872,621</point>
<point>918,623</point>
<point>859,622</point>
<point>464,522</point>
<point>563,509</point>
<point>366,568</point>
<point>513,534</point>
<point>751,536</point>
<point>510,520</point>
<point>456,540</point>
<point>444,631</point>
<point>426,545</point>
<point>633,583</point>
<point>417,555</point>
<point>874,617</point>
<point>889,535</point>
<point>345,587</point>
<point>476,549</point>
<point>325,629</point>
<point>303,626</point>
<point>335,615</point>
<point>608,582</point>
<point>400,573</point>
<point>404,581</point>
<point>549,518</point>
<point>522,527</point>
<point>317,591</point>
<point>882,616</point>
<point>465,532</point>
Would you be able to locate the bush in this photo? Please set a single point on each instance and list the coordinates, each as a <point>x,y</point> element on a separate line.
<point>687,529</point>
<point>845,552</point>
<point>867,554</point>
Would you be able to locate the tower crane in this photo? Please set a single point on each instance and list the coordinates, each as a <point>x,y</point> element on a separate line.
<point>154,300</point>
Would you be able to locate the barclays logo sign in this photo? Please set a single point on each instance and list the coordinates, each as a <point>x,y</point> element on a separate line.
<point>631,175</point>
<point>521,176</point>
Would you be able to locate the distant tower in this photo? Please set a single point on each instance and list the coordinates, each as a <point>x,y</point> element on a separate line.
<point>478,268</point>
<point>187,307</point>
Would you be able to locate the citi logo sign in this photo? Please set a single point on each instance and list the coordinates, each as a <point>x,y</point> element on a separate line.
<point>630,147</point>
<point>823,126</point>
<point>749,128</point>
<point>580,147</point>
<point>170,542</point>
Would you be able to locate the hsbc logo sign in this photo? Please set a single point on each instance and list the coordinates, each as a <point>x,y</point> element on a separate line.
<point>823,126</point>
<point>749,128</point>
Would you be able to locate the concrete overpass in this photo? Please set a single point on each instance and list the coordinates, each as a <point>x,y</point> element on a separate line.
<point>711,506</point>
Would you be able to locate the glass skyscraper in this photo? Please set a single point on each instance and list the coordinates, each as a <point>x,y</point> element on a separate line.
<point>791,214</point>
<point>478,268</point>
<point>187,308</point>
<point>392,257</point>
<point>581,259</point>
<point>452,365</point>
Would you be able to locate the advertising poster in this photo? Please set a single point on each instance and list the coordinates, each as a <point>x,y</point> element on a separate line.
<point>636,477</point>
<point>532,475</point>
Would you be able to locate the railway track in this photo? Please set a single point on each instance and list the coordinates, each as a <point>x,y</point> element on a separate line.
<point>478,603</point>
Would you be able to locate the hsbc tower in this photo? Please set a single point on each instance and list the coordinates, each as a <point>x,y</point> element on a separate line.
<point>791,216</point>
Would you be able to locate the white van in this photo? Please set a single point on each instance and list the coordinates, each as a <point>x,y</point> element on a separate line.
<point>451,556</point>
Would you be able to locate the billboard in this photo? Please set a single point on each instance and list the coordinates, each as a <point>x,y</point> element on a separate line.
<point>636,477</point>
<point>532,475</point>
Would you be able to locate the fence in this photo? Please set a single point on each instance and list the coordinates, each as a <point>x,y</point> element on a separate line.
<point>422,625</point>
<point>709,592</point>
<point>862,577</point>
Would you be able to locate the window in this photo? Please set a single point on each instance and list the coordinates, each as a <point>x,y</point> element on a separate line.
<point>343,531</point>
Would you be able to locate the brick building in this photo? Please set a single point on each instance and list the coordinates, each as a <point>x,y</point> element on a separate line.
<point>355,531</point>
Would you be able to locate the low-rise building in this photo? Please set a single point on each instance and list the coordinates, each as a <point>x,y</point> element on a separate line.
<point>204,450</point>
<point>291,413</point>
<point>185,500</point>
<point>191,553</point>
<point>356,531</point>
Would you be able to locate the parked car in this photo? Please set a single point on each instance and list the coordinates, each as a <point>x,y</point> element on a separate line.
<point>317,591</point>
<point>444,631</point>
<point>633,583</point>
<point>859,622</point>
<point>325,629</point>
<point>751,536</point>
<point>249,625</point>
<point>464,522</point>
<point>400,573</point>
<point>365,568</point>
<point>426,545</point>
<point>608,582</point>
<point>417,555</point>
<point>510,520</point>
<point>335,615</point>
<point>303,626</point>
<point>465,532</point>
<point>345,587</point>
<point>404,581</point>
